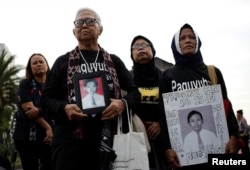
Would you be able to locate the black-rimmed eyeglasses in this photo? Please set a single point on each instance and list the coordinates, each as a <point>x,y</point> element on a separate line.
<point>142,45</point>
<point>88,21</point>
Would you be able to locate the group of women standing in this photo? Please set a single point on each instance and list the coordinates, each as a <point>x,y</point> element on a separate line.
<point>152,83</point>
<point>79,139</point>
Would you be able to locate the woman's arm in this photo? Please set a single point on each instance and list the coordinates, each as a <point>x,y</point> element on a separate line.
<point>33,112</point>
<point>49,132</point>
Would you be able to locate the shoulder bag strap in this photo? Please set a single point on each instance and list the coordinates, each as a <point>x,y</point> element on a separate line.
<point>212,74</point>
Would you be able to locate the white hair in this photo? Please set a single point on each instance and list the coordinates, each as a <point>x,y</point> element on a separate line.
<point>97,16</point>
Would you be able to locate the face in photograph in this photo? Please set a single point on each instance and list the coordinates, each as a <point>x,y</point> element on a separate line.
<point>91,87</point>
<point>195,122</point>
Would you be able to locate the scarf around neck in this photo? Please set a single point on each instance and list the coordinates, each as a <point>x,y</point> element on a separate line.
<point>146,74</point>
<point>74,65</point>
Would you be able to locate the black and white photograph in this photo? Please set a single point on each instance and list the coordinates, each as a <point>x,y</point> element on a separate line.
<point>196,123</point>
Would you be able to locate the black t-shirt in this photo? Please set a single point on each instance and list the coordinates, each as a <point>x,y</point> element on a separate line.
<point>25,94</point>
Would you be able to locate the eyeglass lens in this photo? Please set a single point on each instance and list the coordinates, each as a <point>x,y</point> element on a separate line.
<point>88,21</point>
<point>142,45</point>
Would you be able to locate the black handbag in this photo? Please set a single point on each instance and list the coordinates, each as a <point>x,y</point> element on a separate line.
<point>107,156</point>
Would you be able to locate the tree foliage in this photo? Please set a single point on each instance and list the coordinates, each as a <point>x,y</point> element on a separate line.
<point>9,81</point>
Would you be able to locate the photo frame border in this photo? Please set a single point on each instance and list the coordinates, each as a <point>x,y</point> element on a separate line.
<point>77,77</point>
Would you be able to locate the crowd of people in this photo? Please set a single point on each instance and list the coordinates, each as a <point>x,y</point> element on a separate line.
<point>53,132</point>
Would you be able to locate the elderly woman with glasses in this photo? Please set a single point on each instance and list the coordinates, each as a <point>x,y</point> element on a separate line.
<point>83,140</point>
<point>146,77</point>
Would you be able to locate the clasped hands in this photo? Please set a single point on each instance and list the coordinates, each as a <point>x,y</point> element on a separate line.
<point>115,109</point>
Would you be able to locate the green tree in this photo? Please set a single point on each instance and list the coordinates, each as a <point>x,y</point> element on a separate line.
<point>8,85</point>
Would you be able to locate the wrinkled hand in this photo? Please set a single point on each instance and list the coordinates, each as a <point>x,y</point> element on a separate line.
<point>153,129</point>
<point>114,110</point>
<point>232,145</point>
<point>172,159</point>
<point>74,113</point>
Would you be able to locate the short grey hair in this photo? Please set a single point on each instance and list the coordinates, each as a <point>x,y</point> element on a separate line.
<point>97,16</point>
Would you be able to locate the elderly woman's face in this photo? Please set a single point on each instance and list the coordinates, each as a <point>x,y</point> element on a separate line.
<point>187,42</point>
<point>141,51</point>
<point>87,33</point>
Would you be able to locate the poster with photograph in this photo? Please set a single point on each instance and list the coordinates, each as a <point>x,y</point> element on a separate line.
<point>197,123</point>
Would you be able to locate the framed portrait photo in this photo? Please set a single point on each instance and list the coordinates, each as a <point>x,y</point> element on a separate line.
<point>91,92</point>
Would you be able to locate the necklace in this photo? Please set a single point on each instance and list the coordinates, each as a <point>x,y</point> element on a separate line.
<point>95,57</point>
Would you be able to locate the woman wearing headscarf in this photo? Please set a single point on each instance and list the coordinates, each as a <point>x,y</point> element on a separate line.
<point>189,68</point>
<point>146,77</point>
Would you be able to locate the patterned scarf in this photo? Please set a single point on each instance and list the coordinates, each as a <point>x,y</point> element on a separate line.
<point>74,67</point>
<point>36,94</point>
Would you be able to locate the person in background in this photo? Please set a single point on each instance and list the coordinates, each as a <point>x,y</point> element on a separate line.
<point>92,99</point>
<point>81,141</point>
<point>33,129</point>
<point>187,73</point>
<point>146,77</point>
<point>244,131</point>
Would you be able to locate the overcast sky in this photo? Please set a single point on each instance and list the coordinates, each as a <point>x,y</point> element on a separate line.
<point>45,26</point>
